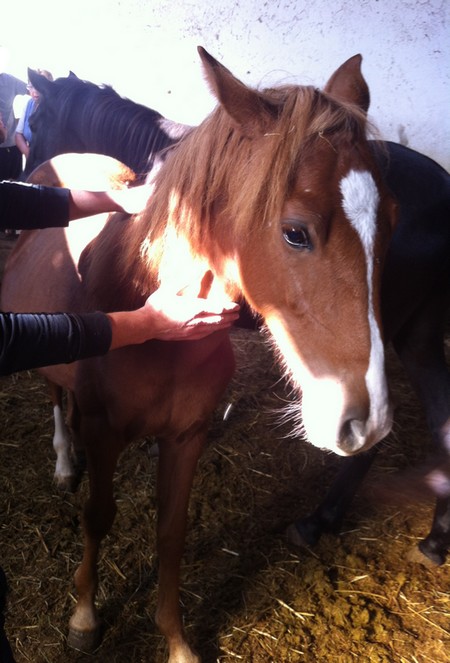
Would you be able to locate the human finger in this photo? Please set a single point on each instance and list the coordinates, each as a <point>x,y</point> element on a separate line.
<point>219,307</point>
<point>197,332</point>
<point>211,320</point>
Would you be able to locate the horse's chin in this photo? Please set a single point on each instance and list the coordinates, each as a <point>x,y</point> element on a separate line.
<point>340,449</point>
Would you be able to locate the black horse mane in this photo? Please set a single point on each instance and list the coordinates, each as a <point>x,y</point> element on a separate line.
<point>84,117</point>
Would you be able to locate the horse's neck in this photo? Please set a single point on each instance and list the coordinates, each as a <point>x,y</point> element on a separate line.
<point>120,269</point>
<point>109,283</point>
<point>122,266</point>
<point>133,138</point>
<point>179,268</point>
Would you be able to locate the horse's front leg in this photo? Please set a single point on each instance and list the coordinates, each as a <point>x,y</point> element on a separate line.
<point>102,451</point>
<point>421,349</point>
<point>328,516</point>
<point>177,463</point>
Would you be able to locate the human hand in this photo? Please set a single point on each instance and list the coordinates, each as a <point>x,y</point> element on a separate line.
<point>132,200</point>
<point>87,203</point>
<point>166,316</point>
<point>175,317</point>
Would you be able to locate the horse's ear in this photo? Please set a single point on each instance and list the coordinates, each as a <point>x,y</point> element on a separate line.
<point>246,106</point>
<point>347,84</point>
<point>39,82</point>
<point>72,75</point>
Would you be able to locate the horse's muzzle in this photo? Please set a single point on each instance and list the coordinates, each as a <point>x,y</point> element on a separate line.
<point>360,434</point>
<point>352,437</point>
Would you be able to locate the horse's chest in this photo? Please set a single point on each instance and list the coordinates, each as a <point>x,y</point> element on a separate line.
<point>157,388</point>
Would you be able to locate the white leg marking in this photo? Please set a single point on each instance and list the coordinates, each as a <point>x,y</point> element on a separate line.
<point>62,446</point>
<point>360,203</point>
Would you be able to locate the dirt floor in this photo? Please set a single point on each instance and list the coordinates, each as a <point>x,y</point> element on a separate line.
<point>248,595</point>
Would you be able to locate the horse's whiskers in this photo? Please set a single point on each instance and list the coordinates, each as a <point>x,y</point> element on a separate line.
<point>290,415</point>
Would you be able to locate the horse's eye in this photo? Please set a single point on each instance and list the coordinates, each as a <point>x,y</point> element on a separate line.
<point>296,236</point>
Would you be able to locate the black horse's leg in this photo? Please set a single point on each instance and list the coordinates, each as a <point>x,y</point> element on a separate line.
<point>436,545</point>
<point>420,347</point>
<point>329,514</point>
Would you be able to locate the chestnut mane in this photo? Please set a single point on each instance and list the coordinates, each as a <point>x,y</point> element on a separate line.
<point>247,176</point>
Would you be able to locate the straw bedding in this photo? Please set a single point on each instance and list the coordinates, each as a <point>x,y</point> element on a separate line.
<point>249,596</point>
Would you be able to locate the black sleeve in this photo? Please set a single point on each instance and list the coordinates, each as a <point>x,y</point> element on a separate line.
<point>28,206</point>
<point>30,340</point>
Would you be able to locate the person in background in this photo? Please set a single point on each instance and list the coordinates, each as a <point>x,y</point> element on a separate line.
<point>23,132</point>
<point>2,130</point>
<point>10,87</point>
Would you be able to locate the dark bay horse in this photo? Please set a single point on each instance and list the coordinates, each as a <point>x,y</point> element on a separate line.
<point>276,198</point>
<point>79,116</point>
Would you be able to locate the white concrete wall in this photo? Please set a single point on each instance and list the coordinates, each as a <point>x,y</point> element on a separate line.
<point>147,50</point>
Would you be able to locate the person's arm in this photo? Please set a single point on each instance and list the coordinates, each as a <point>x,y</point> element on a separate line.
<point>87,203</point>
<point>171,317</point>
<point>26,206</point>
<point>31,340</point>
<point>22,144</point>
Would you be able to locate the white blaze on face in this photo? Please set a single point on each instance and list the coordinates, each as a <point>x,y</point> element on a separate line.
<point>326,408</point>
<point>360,201</point>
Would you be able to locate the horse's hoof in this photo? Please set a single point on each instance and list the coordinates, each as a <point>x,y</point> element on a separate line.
<point>184,654</point>
<point>293,536</point>
<point>84,641</point>
<point>68,483</point>
<point>153,450</point>
<point>306,532</point>
<point>433,550</point>
<point>418,556</point>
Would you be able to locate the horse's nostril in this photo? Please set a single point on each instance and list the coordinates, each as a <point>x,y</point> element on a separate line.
<point>353,436</point>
